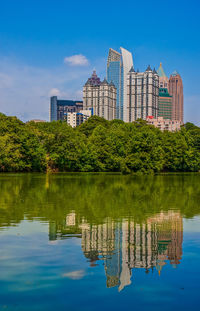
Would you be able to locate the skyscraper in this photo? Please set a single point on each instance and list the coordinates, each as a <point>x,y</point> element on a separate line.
<point>100,97</point>
<point>142,91</point>
<point>118,66</point>
<point>176,90</point>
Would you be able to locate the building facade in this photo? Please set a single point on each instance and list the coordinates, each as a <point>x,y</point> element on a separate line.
<point>165,124</point>
<point>100,96</point>
<point>118,66</point>
<point>75,119</point>
<point>142,94</point>
<point>176,90</point>
<point>59,108</point>
<point>165,104</point>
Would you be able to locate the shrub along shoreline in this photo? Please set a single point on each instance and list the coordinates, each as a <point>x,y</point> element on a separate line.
<point>97,146</point>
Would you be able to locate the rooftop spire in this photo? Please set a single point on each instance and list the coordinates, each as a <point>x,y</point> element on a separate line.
<point>161,72</point>
<point>149,68</point>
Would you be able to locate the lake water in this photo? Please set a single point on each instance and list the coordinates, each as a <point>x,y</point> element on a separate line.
<point>99,242</point>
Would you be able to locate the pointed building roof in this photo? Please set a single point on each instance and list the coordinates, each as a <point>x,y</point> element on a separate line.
<point>112,84</point>
<point>88,82</point>
<point>105,81</point>
<point>149,68</point>
<point>94,80</point>
<point>161,72</point>
<point>154,71</point>
<point>132,69</point>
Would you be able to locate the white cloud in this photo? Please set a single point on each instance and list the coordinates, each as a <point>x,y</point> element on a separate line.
<point>54,92</point>
<point>74,275</point>
<point>76,60</point>
<point>25,90</point>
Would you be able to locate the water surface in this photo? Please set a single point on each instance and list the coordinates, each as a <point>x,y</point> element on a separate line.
<point>99,242</point>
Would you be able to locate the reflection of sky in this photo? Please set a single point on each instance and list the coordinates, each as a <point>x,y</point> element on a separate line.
<point>37,275</point>
<point>25,228</point>
<point>191,225</point>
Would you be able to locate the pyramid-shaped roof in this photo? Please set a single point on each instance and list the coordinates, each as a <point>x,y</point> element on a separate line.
<point>104,81</point>
<point>149,68</point>
<point>161,72</point>
<point>112,84</point>
<point>132,69</point>
<point>154,71</point>
<point>94,80</point>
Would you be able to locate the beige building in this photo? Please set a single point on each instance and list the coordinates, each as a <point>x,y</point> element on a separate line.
<point>100,97</point>
<point>74,119</point>
<point>37,121</point>
<point>165,124</point>
<point>143,94</point>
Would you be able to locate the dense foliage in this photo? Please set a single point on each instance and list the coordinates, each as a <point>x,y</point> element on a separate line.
<point>97,146</point>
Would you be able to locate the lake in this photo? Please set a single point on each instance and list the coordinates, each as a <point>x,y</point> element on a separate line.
<point>99,242</point>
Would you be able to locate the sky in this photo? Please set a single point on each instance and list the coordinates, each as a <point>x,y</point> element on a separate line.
<point>50,47</point>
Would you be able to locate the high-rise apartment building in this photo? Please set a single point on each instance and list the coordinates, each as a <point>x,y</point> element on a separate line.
<point>176,90</point>
<point>118,66</point>
<point>59,108</point>
<point>100,97</point>
<point>142,94</point>
<point>165,104</point>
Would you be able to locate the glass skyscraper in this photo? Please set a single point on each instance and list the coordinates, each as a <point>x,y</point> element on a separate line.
<point>118,65</point>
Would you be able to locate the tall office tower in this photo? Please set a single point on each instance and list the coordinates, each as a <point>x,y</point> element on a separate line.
<point>59,108</point>
<point>143,94</point>
<point>100,97</point>
<point>118,66</point>
<point>165,104</point>
<point>163,79</point>
<point>176,90</point>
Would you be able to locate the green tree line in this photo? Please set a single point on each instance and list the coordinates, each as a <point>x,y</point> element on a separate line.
<point>97,146</point>
<point>95,197</point>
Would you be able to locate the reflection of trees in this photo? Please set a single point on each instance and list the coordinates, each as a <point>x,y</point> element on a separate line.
<point>95,197</point>
<point>128,222</point>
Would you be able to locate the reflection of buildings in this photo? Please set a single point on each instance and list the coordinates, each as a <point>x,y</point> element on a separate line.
<point>126,245</point>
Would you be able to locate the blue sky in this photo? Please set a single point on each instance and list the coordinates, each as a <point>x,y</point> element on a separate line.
<point>38,39</point>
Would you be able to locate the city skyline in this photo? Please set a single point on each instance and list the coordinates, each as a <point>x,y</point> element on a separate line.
<point>40,59</point>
